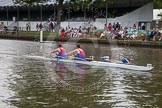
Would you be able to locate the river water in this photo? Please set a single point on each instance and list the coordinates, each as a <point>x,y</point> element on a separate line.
<point>29,83</point>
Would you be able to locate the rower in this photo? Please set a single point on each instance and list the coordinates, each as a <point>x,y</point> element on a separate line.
<point>60,52</point>
<point>79,53</point>
<point>125,60</point>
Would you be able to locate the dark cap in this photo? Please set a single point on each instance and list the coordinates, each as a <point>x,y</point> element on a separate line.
<point>78,46</point>
<point>59,45</point>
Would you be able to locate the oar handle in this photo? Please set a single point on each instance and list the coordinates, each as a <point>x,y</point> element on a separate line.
<point>70,52</point>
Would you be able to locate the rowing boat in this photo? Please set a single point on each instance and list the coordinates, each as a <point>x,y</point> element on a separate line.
<point>95,63</point>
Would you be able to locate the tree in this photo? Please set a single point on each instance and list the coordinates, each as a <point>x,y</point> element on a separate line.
<point>60,4</point>
<point>158,3</point>
<point>28,2</point>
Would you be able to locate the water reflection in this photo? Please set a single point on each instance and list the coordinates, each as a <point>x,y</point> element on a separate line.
<point>37,84</point>
<point>77,77</point>
<point>34,89</point>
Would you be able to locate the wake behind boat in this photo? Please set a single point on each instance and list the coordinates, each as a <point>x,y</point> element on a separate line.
<point>94,63</point>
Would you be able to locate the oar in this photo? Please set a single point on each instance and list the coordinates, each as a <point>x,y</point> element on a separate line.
<point>70,52</point>
<point>49,55</point>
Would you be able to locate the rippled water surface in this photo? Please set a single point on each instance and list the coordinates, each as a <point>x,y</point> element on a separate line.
<point>29,83</point>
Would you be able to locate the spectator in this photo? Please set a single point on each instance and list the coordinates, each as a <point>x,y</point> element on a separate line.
<point>5,29</point>
<point>15,30</point>
<point>158,35</point>
<point>134,26</point>
<point>148,34</point>
<point>114,26</point>
<point>110,27</point>
<point>105,27</point>
<point>153,33</point>
<point>27,26</point>
<point>143,27</point>
<point>40,26</point>
<point>118,26</point>
<point>1,25</point>
<point>62,35</point>
<point>51,26</point>
<point>37,27</point>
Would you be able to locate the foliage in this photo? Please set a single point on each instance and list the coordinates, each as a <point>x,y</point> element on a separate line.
<point>158,3</point>
<point>28,2</point>
<point>72,3</point>
<point>60,4</point>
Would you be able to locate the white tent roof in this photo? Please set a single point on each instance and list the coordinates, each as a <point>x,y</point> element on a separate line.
<point>6,3</point>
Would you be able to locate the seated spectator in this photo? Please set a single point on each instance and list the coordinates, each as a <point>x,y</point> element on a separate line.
<point>103,34</point>
<point>110,27</point>
<point>62,35</point>
<point>105,27</point>
<point>153,34</point>
<point>148,35</point>
<point>158,34</point>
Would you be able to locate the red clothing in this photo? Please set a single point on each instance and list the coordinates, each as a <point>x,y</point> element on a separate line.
<point>62,51</point>
<point>110,27</point>
<point>81,52</point>
<point>62,35</point>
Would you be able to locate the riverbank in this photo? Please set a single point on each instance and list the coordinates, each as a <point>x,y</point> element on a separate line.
<point>48,36</point>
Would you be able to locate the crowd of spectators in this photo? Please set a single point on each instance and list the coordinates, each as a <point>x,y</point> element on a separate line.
<point>83,32</point>
<point>155,35</point>
<point>113,31</point>
<point>49,26</point>
<point>5,30</point>
<point>116,31</point>
<point>110,31</point>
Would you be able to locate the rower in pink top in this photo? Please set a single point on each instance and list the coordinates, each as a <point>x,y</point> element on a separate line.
<point>79,53</point>
<point>60,52</point>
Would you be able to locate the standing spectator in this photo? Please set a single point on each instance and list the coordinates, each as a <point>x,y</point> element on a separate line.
<point>51,26</point>
<point>27,26</point>
<point>134,26</point>
<point>143,27</point>
<point>40,26</point>
<point>37,26</point>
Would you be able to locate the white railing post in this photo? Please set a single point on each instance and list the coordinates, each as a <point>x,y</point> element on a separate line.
<point>41,36</point>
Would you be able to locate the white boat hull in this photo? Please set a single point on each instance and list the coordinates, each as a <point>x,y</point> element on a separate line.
<point>96,63</point>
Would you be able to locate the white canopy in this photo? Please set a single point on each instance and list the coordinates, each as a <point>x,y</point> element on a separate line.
<point>6,3</point>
